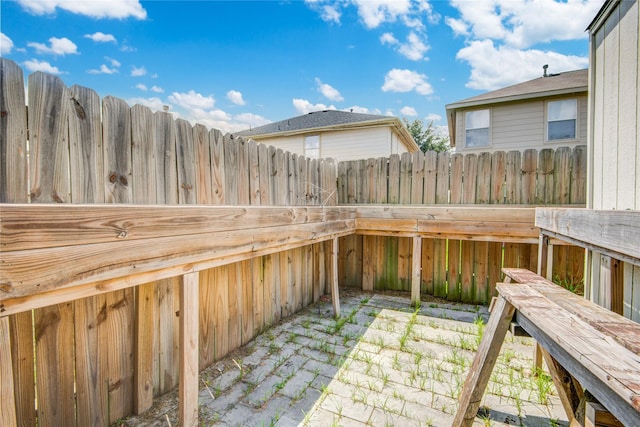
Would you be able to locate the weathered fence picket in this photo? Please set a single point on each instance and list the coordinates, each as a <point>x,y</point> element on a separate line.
<point>123,346</point>
<point>459,270</point>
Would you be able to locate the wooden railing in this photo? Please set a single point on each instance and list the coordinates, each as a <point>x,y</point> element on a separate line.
<point>52,254</point>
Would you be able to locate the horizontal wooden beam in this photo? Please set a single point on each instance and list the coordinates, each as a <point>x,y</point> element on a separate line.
<point>462,222</point>
<point>36,226</point>
<point>612,232</point>
<point>56,253</point>
<point>65,274</point>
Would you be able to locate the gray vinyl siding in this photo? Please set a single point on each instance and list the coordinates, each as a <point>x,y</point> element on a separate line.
<point>616,115</point>
<point>614,166</point>
<point>522,125</point>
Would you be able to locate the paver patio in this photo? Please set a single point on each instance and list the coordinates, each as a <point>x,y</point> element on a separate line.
<point>383,363</point>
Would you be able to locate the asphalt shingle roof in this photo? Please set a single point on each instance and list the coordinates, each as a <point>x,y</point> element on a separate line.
<point>577,80</point>
<point>314,120</point>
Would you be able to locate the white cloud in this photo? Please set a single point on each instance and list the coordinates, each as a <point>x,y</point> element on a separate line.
<point>57,46</point>
<point>374,13</point>
<point>398,80</point>
<point>362,110</point>
<point>44,66</point>
<point>6,44</point>
<point>190,110</point>
<point>138,71</point>
<point>113,62</point>
<point>414,48</point>
<point>226,123</point>
<point>433,117</point>
<point>329,12</point>
<point>192,100</point>
<point>389,38</point>
<point>516,65</point>
<point>153,103</point>
<point>157,89</point>
<point>117,9</point>
<point>251,119</point>
<point>408,111</point>
<point>235,97</point>
<point>459,27</point>
<point>524,23</point>
<point>126,48</point>
<point>103,70</point>
<point>329,91</point>
<point>141,87</point>
<point>303,106</point>
<point>100,37</point>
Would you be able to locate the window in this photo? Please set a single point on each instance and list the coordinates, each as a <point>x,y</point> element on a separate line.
<point>312,146</point>
<point>561,119</point>
<point>477,128</point>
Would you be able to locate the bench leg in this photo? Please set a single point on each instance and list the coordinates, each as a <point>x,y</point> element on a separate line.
<point>569,390</point>
<point>483,363</point>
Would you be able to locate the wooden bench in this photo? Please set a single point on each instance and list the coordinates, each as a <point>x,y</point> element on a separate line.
<point>584,346</point>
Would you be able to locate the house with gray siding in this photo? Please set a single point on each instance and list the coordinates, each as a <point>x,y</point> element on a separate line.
<point>340,135</point>
<point>614,146</point>
<point>547,112</point>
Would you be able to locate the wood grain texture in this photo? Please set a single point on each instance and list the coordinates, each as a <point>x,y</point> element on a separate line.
<point>87,186</point>
<point>189,384</point>
<point>8,416</point>
<point>48,139</point>
<point>483,363</point>
<point>166,165</point>
<point>13,134</point>
<point>612,231</point>
<point>19,406</point>
<point>186,160</point>
<point>116,122</point>
<point>582,349</point>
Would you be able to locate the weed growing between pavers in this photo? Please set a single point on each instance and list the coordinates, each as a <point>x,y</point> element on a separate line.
<point>395,364</point>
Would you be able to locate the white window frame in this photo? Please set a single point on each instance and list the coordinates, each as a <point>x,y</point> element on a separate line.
<point>547,120</point>
<point>488,128</point>
<point>312,152</point>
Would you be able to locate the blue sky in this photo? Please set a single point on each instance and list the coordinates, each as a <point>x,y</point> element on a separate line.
<point>232,65</point>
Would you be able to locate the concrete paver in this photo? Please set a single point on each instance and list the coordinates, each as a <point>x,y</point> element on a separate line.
<point>383,364</point>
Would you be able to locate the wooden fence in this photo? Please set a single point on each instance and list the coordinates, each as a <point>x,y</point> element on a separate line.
<point>91,367</point>
<point>82,150</point>
<point>458,270</point>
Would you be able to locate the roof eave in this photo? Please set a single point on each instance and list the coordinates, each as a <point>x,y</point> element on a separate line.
<point>515,98</point>
<point>602,15</point>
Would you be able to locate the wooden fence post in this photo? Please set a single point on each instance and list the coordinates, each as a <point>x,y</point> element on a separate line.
<point>335,297</point>
<point>416,263</point>
<point>7,398</point>
<point>189,321</point>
